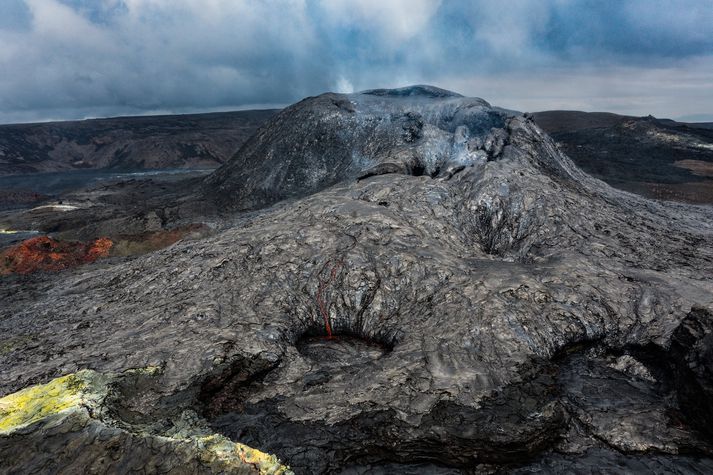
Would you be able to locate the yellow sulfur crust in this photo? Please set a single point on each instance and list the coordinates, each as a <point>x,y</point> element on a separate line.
<point>218,448</point>
<point>86,388</point>
<point>35,403</point>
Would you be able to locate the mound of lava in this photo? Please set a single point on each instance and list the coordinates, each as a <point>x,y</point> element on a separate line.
<point>47,254</point>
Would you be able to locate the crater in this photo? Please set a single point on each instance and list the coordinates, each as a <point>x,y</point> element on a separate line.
<point>340,350</point>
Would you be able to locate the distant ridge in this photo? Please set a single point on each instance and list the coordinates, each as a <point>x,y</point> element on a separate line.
<point>657,158</point>
<point>568,120</point>
<point>127,143</point>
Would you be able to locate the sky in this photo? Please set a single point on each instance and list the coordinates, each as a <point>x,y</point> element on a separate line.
<point>74,59</point>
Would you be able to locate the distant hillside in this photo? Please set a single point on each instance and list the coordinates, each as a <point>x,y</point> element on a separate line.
<point>127,143</point>
<point>567,121</point>
<point>658,158</point>
<point>557,121</point>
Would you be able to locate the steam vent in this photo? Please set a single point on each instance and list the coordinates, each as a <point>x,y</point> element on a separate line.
<point>414,282</point>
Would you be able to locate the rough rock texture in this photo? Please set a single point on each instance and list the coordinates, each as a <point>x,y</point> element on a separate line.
<point>491,306</point>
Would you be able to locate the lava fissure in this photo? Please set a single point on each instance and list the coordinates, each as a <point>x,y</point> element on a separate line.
<point>323,283</point>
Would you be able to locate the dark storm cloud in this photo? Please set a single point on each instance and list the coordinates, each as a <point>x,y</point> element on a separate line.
<point>78,58</point>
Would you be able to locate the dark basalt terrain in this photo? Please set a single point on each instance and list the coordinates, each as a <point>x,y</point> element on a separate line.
<point>404,281</point>
<point>657,158</point>
<point>127,143</point>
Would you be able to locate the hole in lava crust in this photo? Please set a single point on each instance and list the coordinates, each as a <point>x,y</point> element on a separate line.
<point>348,333</point>
<point>418,169</point>
<point>340,350</point>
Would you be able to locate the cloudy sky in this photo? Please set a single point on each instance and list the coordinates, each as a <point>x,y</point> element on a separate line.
<point>65,59</point>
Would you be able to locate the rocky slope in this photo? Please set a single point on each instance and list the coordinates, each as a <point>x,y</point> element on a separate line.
<point>128,143</point>
<point>657,158</point>
<point>436,288</point>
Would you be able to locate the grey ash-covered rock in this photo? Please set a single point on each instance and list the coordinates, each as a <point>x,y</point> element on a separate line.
<point>493,308</point>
